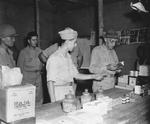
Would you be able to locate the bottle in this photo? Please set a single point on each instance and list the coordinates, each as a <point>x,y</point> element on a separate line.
<point>99,93</point>
<point>86,97</point>
<point>124,99</point>
<point>69,104</point>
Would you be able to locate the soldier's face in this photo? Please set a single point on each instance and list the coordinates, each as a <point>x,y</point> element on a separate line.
<point>110,43</point>
<point>9,41</point>
<point>33,41</point>
<point>72,44</point>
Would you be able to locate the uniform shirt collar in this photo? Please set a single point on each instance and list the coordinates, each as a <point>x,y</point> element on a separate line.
<point>3,51</point>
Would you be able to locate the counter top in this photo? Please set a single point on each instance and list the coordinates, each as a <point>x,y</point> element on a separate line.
<point>130,113</point>
<point>49,111</point>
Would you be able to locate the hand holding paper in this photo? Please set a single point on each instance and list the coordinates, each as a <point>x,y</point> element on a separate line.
<point>115,67</point>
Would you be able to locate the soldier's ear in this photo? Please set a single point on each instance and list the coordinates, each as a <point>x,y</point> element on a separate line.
<point>28,41</point>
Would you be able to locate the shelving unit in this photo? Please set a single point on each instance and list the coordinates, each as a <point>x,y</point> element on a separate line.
<point>130,36</point>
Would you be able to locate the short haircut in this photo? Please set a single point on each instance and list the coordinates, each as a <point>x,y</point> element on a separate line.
<point>31,34</point>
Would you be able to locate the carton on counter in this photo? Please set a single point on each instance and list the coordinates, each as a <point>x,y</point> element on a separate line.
<point>17,102</point>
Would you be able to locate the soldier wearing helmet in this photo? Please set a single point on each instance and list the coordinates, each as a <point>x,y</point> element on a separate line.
<point>7,40</point>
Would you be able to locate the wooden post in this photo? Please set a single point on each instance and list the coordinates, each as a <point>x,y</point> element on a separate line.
<point>2,12</point>
<point>37,20</point>
<point>100,17</point>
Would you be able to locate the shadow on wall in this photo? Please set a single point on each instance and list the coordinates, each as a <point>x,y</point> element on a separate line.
<point>128,54</point>
<point>85,47</point>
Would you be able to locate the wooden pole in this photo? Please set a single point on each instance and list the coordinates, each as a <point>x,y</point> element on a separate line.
<point>100,17</point>
<point>37,20</point>
<point>2,12</point>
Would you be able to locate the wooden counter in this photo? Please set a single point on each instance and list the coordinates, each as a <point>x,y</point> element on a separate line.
<point>130,113</point>
<point>137,112</point>
<point>52,111</point>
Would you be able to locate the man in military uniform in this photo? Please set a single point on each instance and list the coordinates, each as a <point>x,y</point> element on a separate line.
<point>7,40</point>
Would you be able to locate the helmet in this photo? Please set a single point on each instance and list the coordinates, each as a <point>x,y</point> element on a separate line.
<point>7,30</point>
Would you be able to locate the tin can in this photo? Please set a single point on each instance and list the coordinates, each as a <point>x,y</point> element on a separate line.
<point>127,98</point>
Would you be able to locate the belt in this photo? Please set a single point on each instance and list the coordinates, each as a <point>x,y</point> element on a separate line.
<point>67,84</point>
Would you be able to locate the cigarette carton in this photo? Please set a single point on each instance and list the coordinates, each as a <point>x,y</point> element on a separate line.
<point>17,102</point>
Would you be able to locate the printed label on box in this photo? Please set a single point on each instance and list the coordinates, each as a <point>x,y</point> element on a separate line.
<point>20,103</point>
<point>132,81</point>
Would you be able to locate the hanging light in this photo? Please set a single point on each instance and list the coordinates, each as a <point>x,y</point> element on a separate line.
<point>138,6</point>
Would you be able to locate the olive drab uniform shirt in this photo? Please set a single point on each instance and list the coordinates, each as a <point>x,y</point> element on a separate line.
<point>6,58</point>
<point>100,58</point>
<point>31,67</point>
<point>61,70</point>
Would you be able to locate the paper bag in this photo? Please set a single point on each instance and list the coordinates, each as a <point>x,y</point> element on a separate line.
<point>10,76</point>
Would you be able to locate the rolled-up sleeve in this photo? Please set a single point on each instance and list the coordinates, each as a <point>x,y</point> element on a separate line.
<point>51,68</point>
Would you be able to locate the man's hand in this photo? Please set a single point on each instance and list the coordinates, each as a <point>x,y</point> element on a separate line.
<point>111,67</point>
<point>99,76</point>
<point>116,67</point>
<point>119,66</point>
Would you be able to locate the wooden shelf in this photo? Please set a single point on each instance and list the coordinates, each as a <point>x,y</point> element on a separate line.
<point>130,36</point>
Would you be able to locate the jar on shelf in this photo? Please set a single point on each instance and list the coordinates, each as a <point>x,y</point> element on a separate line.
<point>69,104</point>
<point>86,97</point>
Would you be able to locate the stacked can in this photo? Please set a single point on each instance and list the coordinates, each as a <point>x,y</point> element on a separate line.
<point>125,99</point>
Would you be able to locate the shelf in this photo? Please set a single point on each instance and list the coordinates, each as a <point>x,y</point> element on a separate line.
<point>132,36</point>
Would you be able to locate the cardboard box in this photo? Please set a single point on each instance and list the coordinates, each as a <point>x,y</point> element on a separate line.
<point>31,120</point>
<point>17,102</point>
